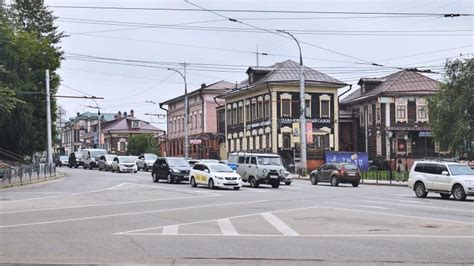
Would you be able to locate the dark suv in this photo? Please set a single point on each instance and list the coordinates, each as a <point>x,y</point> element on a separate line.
<point>172,169</point>
<point>336,173</point>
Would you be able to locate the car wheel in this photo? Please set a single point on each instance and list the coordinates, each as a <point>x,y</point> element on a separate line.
<point>145,168</point>
<point>236,188</point>
<point>276,184</point>
<point>100,168</point>
<point>458,192</point>
<point>334,181</point>
<point>169,179</point>
<point>84,166</point>
<point>420,190</point>
<point>355,184</point>
<point>253,182</point>
<point>211,184</point>
<point>314,180</point>
<point>193,182</point>
<point>153,176</point>
<point>287,183</point>
<point>445,195</point>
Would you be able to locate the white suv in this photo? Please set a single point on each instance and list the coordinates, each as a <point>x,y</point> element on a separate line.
<point>445,178</point>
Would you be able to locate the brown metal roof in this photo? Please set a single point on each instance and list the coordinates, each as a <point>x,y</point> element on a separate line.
<point>218,87</point>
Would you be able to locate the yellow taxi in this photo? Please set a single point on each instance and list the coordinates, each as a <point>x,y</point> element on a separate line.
<point>215,175</point>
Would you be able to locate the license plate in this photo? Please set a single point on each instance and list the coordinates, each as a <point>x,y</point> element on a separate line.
<point>273,176</point>
<point>352,174</point>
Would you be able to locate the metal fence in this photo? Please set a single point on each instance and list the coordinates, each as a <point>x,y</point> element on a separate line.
<point>25,173</point>
<point>382,175</point>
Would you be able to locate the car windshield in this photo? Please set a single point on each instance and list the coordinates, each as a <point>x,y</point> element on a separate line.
<point>457,169</point>
<point>210,161</point>
<point>63,158</point>
<point>125,159</point>
<point>178,162</point>
<point>109,157</point>
<point>151,157</point>
<point>349,166</point>
<point>220,168</point>
<point>97,153</point>
<point>267,160</point>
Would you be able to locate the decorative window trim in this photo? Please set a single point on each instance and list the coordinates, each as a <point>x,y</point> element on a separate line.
<point>401,103</point>
<point>370,118</point>
<point>422,103</point>
<point>361,116</point>
<point>322,98</point>
<point>378,113</point>
<point>285,97</point>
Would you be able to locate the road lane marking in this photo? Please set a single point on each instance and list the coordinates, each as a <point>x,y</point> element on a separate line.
<point>170,230</point>
<point>309,236</point>
<point>226,227</point>
<point>374,207</point>
<point>279,224</point>
<point>420,206</point>
<point>174,189</point>
<point>107,204</point>
<point>129,213</point>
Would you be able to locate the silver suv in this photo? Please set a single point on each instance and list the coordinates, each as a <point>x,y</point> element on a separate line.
<point>258,168</point>
<point>445,178</point>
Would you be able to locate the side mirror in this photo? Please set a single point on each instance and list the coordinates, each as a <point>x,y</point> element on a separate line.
<point>206,170</point>
<point>445,173</point>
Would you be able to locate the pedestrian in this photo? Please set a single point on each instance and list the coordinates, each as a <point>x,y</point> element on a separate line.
<point>400,170</point>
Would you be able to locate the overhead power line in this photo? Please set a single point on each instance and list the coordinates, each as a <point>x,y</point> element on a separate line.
<point>451,15</point>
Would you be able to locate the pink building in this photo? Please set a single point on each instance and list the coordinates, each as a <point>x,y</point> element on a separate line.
<point>202,122</point>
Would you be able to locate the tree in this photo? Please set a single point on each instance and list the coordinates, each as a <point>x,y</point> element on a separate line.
<point>28,46</point>
<point>452,109</point>
<point>142,143</point>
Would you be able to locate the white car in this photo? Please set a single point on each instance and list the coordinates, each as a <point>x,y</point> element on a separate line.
<point>445,178</point>
<point>214,175</point>
<point>124,164</point>
<point>145,161</point>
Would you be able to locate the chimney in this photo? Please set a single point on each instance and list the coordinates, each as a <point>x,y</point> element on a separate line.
<point>124,114</point>
<point>132,113</point>
<point>119,115</point>
<point>203,85</point>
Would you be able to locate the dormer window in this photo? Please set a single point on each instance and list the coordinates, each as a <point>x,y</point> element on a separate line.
<point>135,124</point>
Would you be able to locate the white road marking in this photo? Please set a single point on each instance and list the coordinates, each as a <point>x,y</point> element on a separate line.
<point>226,227</point>
<point>420,206</point>
<point>173,189</point>
<point>65,195</point>
<point>129,213</point>
<point>411,201</point>
<point>321,236</point>
<point>107,204</point>
<point>170,230</point>
<point>374,207</point>
<point>279,224</point>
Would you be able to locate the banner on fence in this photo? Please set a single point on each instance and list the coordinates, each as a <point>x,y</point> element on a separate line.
<point>361,159</point>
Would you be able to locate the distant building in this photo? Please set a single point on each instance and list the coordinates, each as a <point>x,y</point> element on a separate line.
<point>202,122</point>
<point>388,117</point>
<point>115,133</point>
<point>262,113</point>
<point>59,124</point>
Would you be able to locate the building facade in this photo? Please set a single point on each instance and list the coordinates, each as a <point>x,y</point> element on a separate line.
<point>388,118</point>
<point>263,113</point>
<point>202,124</point>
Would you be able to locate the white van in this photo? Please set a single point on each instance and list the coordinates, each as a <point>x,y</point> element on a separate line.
<point>258,168</point>
<point>91,157</point>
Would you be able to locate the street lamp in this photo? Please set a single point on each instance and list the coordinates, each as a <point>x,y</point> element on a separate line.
<point>302,110</point>
<point>406,151</point>
<point>186,115</point>
<point>390,139</point>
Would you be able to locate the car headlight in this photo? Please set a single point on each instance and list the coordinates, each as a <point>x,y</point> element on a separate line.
<point>282,171</point>
<point>218,177</point>
<point>174,170</point>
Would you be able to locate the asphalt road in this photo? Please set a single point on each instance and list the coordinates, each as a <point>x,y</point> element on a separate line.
<point>102,217</point>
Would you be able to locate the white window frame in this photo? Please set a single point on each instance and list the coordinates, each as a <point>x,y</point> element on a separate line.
<point>285,97</point>
<point>421,103</point>
<point>307,97</point>
<point>322,98</point>
<point>370,117</point>
<point>361,116</point>
<point>234,113</point>
<point>401,103</point>
<point>266,106</point>
<point>378,113</point>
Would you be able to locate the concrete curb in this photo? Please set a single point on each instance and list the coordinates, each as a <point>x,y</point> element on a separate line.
<point>34,181</point>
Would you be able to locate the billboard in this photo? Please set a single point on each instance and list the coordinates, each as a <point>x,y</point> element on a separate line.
<point>361,159</point>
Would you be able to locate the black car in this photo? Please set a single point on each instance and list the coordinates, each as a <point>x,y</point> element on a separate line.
<point>75,159</point>
<point>172,169</point>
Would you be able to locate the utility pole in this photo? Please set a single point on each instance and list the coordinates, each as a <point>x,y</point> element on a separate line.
<point>48,120</point>
<point>257,54</point>
<point>186,110</point>
<point>302,110</point>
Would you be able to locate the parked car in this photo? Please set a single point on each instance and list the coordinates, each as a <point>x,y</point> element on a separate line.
<point>288,178</point>
<point>258,168</point>
<point>172,169</point>
<point>62,160</point>
<point>336,173</point>
<point>75,159</point>
<point>209,161</point>
<point>124,164</point>
<point>90,157</point>
<point>445,178</point>
<point>214,175</point>
<point>192,162</point>
<point>105,162</point>
<point>145,161</point>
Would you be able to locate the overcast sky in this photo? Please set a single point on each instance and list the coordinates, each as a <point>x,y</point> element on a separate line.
<point>200,39</point>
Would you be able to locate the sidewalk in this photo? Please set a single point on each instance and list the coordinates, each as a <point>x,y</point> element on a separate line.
<point>365,181</point>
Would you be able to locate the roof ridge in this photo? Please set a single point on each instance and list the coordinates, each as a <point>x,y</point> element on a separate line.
<point>394,81</point>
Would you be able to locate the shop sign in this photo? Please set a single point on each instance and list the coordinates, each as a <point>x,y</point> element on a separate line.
<point>312,120</point>
<point>258,124</point>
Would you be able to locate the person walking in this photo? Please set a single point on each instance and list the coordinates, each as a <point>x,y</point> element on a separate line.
<point>400,170</point>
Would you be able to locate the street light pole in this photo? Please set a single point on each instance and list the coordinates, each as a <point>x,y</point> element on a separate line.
<point>186,110</point>
<point>302,110</point>
<point>48,120</point>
